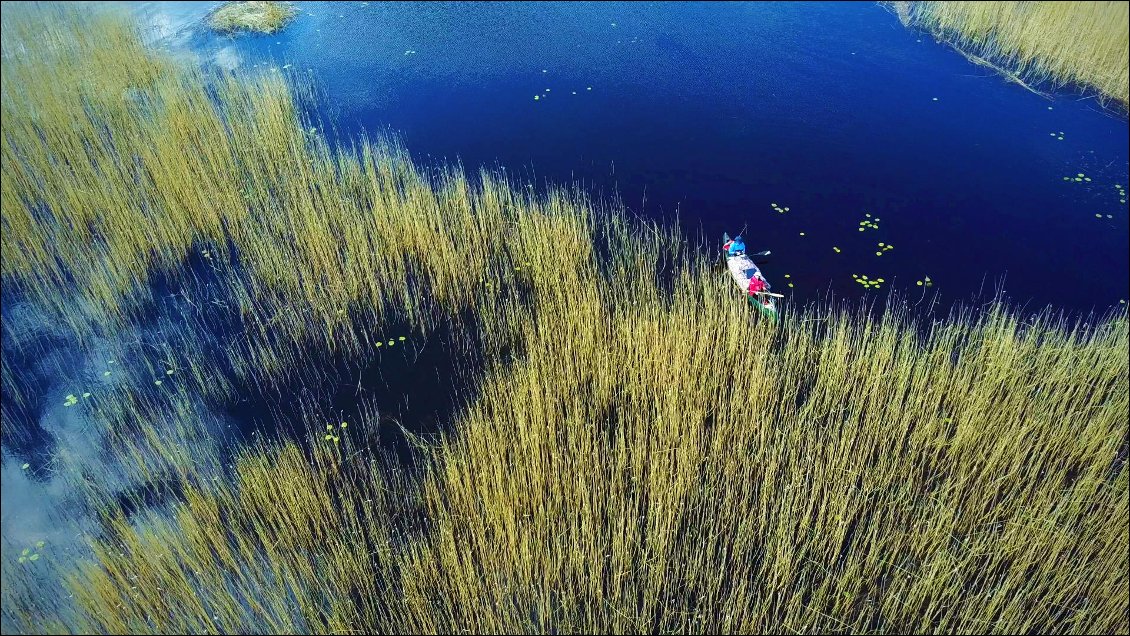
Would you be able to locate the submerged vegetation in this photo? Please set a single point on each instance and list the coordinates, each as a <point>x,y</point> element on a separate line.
<point>634,454</point>
<point>1058,43</point>
<point>257,16</point>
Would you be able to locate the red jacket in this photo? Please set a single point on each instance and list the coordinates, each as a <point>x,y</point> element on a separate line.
<point>756,285</point>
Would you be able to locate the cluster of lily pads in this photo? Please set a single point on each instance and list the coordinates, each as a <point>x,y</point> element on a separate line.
<point>541,96</point>
<point>71,400</point>
<point>883,247</point>
<point>391,343</point>
<point>779,209</point>
<point>1121,192</point>
<point>1058,136</point>
<point>27,555</point>
<point>330,432</point>
<point>868,283</point>
<point>925,283</point>
<point>167,372</point>
<point>1079,176</point>
<point>869,223</point>
<point>790,282</point>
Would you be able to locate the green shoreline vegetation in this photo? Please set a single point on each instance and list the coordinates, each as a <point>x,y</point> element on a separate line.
<point>1060,43</point>
<point>257,16</point>
<point>635,458</point>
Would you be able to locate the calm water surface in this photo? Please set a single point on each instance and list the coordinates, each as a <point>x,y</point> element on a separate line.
<point>713,112</point>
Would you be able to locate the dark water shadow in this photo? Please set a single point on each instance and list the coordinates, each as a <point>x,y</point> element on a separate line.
<point>420,383</point>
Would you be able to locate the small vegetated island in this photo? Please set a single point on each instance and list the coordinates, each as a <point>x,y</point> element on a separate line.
<point>256,16</point>
<point>619,456</point>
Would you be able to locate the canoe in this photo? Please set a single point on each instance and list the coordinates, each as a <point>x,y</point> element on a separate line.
<point>742,269</point>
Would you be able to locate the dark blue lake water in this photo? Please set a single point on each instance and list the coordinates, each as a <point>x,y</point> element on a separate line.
<point>714,112</point>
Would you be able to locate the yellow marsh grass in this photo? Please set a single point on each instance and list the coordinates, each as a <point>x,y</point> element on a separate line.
<point>647,461</point>
<point>1085,43</point>
<point>257,16</point>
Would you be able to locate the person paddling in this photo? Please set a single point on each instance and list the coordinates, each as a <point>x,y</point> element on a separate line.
<point>735,246</point>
